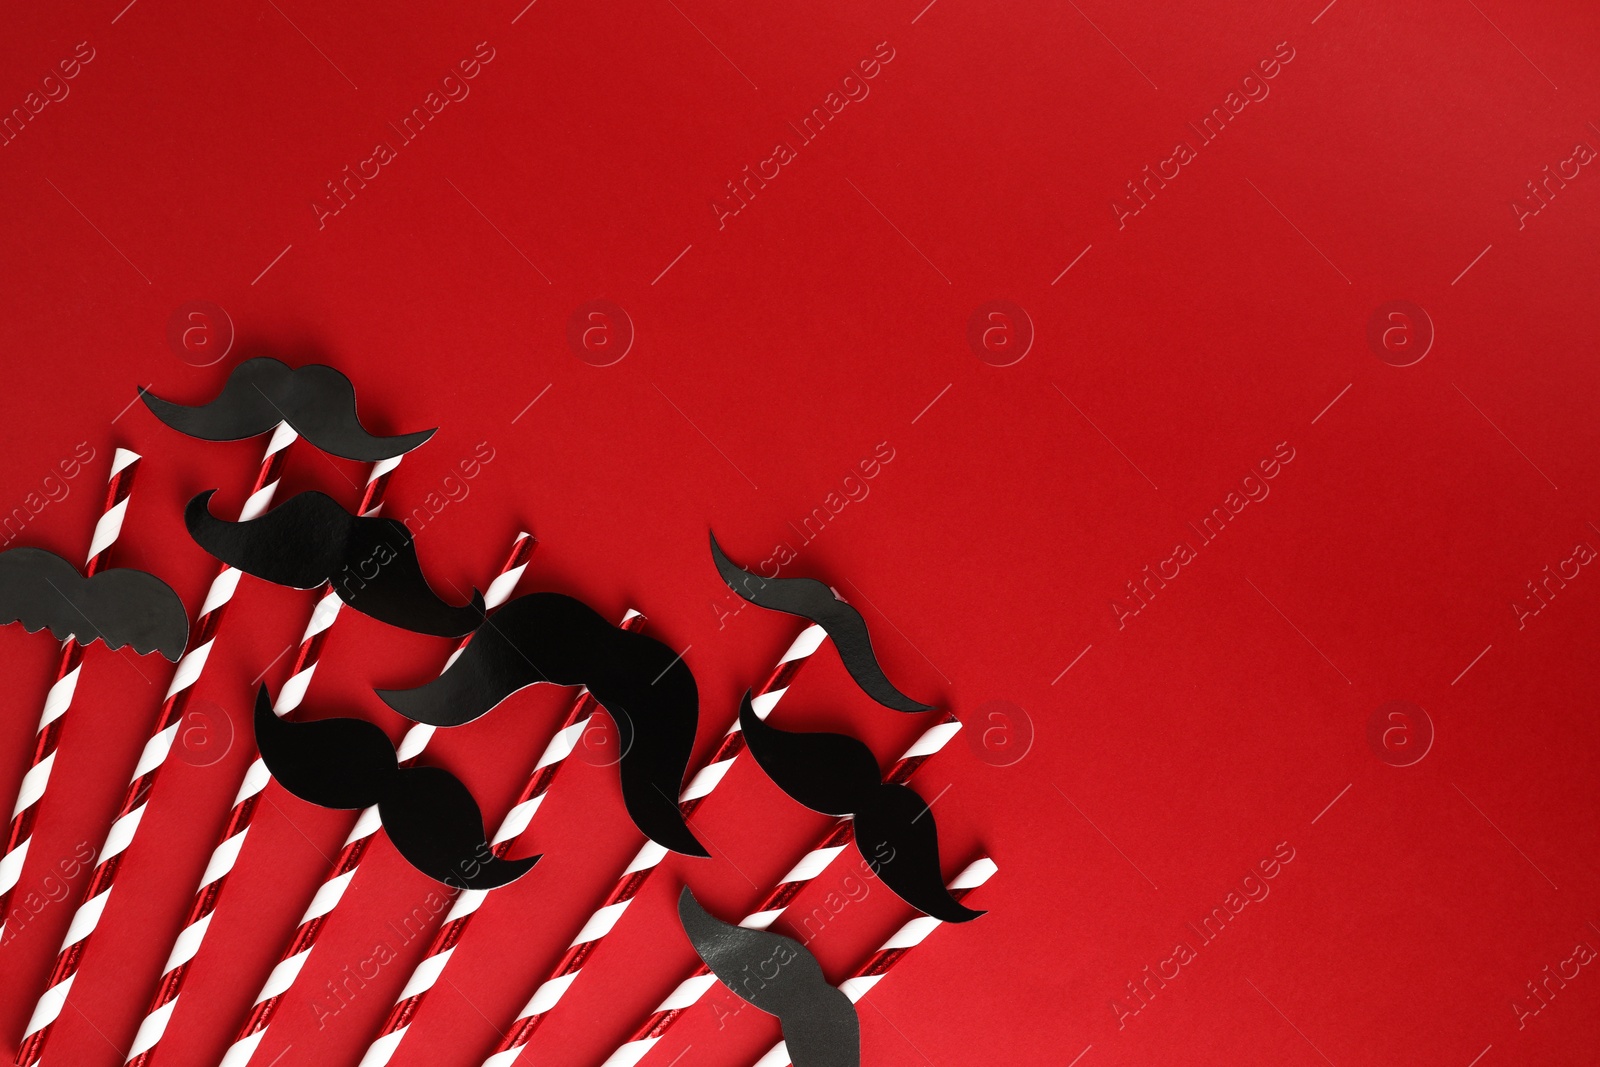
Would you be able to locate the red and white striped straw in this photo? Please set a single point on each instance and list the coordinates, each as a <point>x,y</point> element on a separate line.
<point>894,950</point>
<point>120,836</point>
<point>124,465</point>
<point>811,865</point>
<point>433,962</point>
<point>226,853</point>
<point>637,873</point>
<point>337,880</point>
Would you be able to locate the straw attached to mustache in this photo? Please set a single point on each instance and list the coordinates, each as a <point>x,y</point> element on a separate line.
<point>644,685</point>
<point>316,401</point>
<point>429,814</point>
<point>309,539</point>
<point>838,775</point>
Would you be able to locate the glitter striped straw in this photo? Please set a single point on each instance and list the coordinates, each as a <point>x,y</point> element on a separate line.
<point>337,880</point>
<point>427,971</point>
<point>226,853</point>
<point>894,950</point>
<point>811,865</point>
<point>637,873</point>
<point>87,916</point>
<point>124,466</point>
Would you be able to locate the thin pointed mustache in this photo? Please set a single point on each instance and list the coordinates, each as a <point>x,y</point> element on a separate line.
<point>779,976</point>
<point>813,600</point>
<point>316,401</point>
<point>429,814</point>
<point>838,775</point>
<point>119,606</point>
<point>309,539</point>
<point>646,688</point>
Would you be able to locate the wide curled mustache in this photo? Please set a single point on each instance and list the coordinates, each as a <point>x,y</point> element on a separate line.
<point>778,975</point>
<point>316,401</point>
<point>119,606</point>
<point>429,814</point>
<point>309,539</point>
<point>644,685</point>
<point>838,775</point>
<point>813,600</point>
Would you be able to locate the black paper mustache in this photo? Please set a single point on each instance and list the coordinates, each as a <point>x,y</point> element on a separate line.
<point>429,814</point>
<point>813,600</point>
<point>777,975</point>
<point>316,401</point>
<point>643,684</point>
<point>310,539</point>
<point>119,606</point>
<point>838,775</point>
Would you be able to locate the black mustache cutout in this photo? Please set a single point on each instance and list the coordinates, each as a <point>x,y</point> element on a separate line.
<point>820,1024</point>
<point>316,401</point>
<point>646,688</point>
<point>813,600</point>
<point>349,763</point>
<point>838,775</point>
<point>119,606</point>
<point>310,539</point>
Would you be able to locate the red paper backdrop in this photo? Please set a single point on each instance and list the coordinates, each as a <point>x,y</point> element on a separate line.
<point>1224,322</point>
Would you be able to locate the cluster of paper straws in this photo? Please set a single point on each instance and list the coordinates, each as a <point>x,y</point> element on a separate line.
<point>335,884</point>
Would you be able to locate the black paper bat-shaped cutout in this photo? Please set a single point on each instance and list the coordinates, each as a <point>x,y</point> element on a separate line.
<point>429,814</point>
<point>813,600</point>
<point>777,975</point>
<point>644,685</point>
<point>310,539</point>
<point>316,401</point>
<point>119,606</point>
<point>838,775</point>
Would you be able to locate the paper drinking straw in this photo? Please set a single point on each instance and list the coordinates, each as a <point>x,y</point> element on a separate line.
<point>124,466</point>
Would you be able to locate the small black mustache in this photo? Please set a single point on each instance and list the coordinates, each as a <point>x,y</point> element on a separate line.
<point>429,814</point>
<point>119,606</point>
<point>813,600</point>
<point>644,685</point>
<point>310,539</point>
<point>838,775</point>
<point>777,975</point>
<point>316,401</point>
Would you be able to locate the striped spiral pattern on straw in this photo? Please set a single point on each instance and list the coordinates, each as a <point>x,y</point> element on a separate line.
<point>87,916</point>
<point>637,873</point>
<point>337,880</point>
<point>437,957</point>
<point>226,853</point>
<point>811,865</point>
<point>124,466</point>
<point>895,949</point>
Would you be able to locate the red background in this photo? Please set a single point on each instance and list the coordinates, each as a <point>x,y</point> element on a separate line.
<point>821,320</point>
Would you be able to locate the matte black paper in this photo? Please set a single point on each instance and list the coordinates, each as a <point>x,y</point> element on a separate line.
<point>118,606</point>
<point>644,685</point>
<point>429,814</point>
<point>777,975</point>
<point>838,775</point>
<point>316,401</point>
<point>813,600</point>
<point>310,539</point>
